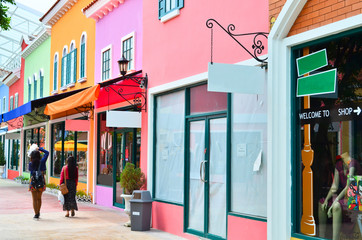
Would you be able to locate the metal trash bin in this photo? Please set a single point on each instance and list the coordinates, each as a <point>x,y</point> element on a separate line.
<point>141,206</point>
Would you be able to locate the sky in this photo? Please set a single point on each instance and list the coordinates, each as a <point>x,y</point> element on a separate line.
<point>40,5</point>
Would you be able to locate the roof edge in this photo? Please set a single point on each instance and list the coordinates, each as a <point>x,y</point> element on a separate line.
<point>57,11</point>
<point>44,35</point>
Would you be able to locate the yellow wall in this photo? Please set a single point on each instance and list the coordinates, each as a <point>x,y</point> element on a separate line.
<point>80,187</point>
<point>68,28</point>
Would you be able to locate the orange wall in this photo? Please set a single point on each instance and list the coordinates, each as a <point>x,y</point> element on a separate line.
<point>70,27</point>
<point>317,13</point>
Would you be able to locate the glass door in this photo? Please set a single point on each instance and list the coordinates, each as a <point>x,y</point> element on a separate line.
<point>207,177</point>
<point>127,149</point>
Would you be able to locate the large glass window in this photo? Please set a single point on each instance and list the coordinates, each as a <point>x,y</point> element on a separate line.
<point>105,164</point>
<point>249,154</point>
<point>14,154</point>
<point>170,134</point>
<point>69,143</point>
<point>35,135</point>
<point>328,145</point>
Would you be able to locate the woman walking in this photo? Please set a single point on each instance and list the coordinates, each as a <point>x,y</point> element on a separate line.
<point>69,175</point>
<point>37,184</point>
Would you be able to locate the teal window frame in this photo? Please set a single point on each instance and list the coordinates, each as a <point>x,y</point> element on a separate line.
<point>82,56</point>
<point>127,51</point>
<point>29,90</point>
<point>11,103</point>
<point>296,192</point>
<point>35,87</point>
<point>163,8</point>
<point>71,66</point>
<point>16,100</point>
<point>64,72</point>
<point>55,75</point>
<point>41,83</point>
<point>106,64</point>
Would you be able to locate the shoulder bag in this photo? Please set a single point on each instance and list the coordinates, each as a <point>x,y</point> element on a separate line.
<point>63,187</point>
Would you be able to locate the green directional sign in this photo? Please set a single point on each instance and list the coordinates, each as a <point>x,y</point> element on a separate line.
<point>320,83</point>
<point>312,62</point>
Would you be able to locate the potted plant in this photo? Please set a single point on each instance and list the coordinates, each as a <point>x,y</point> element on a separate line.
<point>2,159</point>
<point>132,178</point>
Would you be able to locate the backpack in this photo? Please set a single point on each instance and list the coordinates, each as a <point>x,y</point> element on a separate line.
<point>37,179</point>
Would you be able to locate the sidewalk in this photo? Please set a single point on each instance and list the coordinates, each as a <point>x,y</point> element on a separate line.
<point>90,222</point>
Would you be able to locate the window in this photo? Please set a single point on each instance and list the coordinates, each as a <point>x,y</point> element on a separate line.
<point>72,64</point>
<point>82,55</point>
<point>16,100</point>
<point>29,89</point>
<point>35,86</point>
<point>128,50</point>
<point>55,75</point>
<point>64,76</point>
<point>331,126</point>
<point>166,7</point>
<point>4,104</point>
<point>11,103</point>
<point>14,154</point>
<point>65,144</point>
<point>106,64</point>
<point>41,83</point>
<point>169,165</point>
<point>35,135</point>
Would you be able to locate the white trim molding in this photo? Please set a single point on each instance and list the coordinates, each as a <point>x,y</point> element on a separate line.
<point>279,200</point>
<point>44,35</point>
<point>57,11</point>
<point>98,9</point>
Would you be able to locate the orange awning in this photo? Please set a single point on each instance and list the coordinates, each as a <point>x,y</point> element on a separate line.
<point>79,99</point>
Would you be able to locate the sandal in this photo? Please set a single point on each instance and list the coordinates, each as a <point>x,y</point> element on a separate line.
<point>73,213</point>
<point>67,215</point>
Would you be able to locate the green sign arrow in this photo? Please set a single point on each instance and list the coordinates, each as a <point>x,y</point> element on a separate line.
<point>312,62</point>
<point>320,83</point>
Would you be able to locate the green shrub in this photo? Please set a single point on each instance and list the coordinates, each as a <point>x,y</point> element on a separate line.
<point>132,178</point>
<point>52,186</point>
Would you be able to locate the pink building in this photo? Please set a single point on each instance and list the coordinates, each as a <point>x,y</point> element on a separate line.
<point>118,33</point>
<point>206,148</point>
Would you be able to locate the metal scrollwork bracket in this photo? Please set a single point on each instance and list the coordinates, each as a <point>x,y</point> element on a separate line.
<point>257,45</point>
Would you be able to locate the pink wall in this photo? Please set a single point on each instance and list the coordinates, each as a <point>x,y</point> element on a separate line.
<point>180,47</point>
<point>104,196</point>
<point>169,218</point>
<point>123,20</point>
<point>242,228</point>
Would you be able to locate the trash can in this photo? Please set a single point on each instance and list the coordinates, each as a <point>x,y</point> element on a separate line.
<point>141,206</point>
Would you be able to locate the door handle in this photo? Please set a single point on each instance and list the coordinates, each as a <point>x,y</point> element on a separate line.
<point>202,171</point>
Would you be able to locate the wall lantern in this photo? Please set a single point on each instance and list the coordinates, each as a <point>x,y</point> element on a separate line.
<point>123,65</point>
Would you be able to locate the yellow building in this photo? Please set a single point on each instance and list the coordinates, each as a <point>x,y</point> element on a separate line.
<point>71,70</point>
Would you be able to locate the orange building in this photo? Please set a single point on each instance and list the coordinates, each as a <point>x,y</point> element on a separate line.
<point>71,70</point>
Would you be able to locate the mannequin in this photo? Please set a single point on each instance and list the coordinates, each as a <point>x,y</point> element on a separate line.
<point>333,207</point>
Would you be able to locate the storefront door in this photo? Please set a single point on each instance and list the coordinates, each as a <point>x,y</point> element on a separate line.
<point>207,153</point>
<point>126,150</point>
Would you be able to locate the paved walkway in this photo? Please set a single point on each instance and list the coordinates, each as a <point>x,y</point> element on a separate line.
<point>90,222</point>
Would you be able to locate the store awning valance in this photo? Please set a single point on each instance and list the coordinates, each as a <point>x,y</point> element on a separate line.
<point>17,112</point>
<point>77,100</point>
<point>30,106</point>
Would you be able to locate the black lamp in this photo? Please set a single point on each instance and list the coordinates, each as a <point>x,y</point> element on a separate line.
<point>123,65</point>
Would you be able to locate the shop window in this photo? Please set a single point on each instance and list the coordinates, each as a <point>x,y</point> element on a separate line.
<point>168,9</point>
<point>14,154</point>
<point>170,135</point>
<point>66,144</point>
<point>330,126</point>
<point>35,135</point>
<point>105,148</point>
<point>128,50</point>
<point>216,101</point>
<point>106,63</point>
<point>249,154</point>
